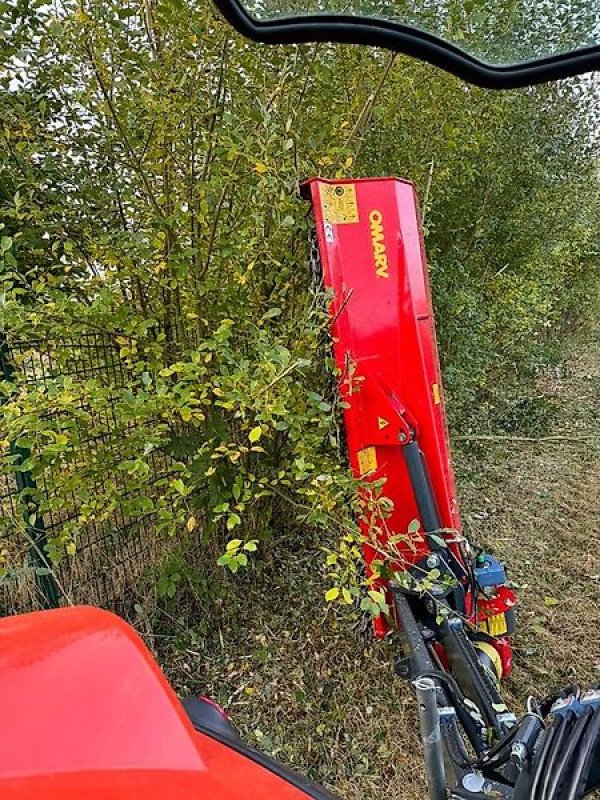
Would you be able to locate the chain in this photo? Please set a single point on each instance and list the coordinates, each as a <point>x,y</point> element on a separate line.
<point>332,390</point>
<point>314,261</point>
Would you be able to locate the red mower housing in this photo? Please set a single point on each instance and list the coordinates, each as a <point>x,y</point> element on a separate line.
<point>384,343</point>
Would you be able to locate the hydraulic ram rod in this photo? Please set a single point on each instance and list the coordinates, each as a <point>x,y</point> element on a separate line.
<point>422,488</point>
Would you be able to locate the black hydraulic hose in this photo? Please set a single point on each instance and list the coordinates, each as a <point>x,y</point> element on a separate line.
<point>455,746</point>
<point>541,758</point>
<point>446,678</point>
<point>585,755</point>
<point>549,775</point>
<point>563,764</point>
<point>592,779</point>
<point>559,754</point>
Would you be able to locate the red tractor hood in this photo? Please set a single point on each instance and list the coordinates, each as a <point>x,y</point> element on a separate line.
<point>86,713</point>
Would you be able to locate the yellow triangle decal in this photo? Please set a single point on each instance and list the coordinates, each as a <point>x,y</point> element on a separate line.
<point>382,423</point>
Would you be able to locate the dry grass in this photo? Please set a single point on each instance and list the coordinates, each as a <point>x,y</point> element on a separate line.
<point>302,685</point>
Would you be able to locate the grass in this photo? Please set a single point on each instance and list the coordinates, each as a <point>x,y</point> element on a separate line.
<point>304,684</point>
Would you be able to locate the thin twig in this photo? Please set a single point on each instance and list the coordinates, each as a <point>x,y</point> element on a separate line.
<point>367,108</point>
<point>135,162</point>
<point>215,224</point>
<point>427,192</point>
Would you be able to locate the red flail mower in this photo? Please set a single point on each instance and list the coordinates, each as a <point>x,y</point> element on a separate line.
<point>87,712</point>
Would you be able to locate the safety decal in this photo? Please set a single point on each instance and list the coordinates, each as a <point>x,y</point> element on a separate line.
<point>367,460</point>
<point>496,625</point>
<point>338,201</point>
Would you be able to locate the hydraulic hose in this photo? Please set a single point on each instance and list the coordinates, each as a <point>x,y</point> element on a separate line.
<point>541,759</point>
<point>560,754</point>
<point>563,761</point>
<point>566,758</point>
<point>576,785</point>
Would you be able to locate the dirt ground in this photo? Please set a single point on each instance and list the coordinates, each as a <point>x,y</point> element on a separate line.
<point>303,685</point>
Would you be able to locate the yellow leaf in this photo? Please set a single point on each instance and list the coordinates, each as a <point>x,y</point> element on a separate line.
<point>549,602</point>
<point>232,545</point>
<point>255,434</point>
<point>332,594</point>
<point>347,596</point>
<point>348,162</point>
<point>191,523</point>
<point>260,168</point>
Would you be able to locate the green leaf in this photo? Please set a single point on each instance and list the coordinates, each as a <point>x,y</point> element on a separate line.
<point>332,594</point>
<point>272,312</point>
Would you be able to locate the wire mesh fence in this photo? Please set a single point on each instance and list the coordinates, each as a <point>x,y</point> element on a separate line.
<point>113,555</point>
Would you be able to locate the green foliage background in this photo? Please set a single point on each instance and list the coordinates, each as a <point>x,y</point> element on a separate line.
<point>149,167</point>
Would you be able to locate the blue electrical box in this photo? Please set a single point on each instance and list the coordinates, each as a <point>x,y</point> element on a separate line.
<point>489,571</point>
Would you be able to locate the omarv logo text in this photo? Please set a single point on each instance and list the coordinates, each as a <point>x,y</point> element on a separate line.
<point>378,243</point>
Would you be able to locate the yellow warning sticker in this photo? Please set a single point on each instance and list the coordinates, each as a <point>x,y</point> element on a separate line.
<point>436,394</point>
<point>496,625</point>
<point>367,460</point>
<point>338,201</point>
<point>382,423</point>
